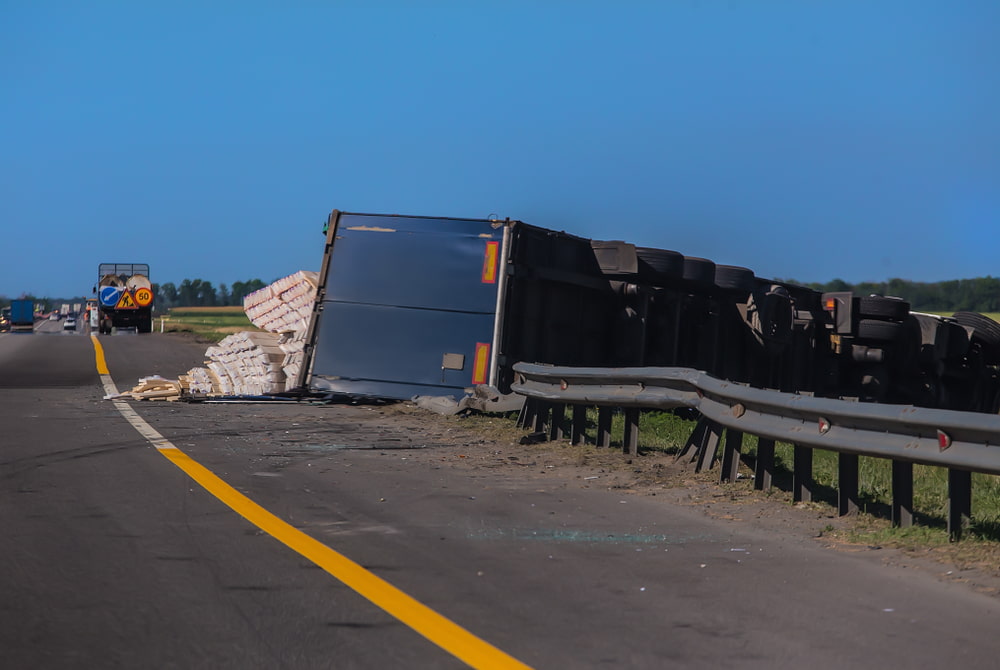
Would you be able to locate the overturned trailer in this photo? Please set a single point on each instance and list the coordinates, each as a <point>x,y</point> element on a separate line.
<point>409,306</point>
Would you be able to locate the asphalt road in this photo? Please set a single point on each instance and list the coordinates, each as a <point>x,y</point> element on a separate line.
<point>115,558</point>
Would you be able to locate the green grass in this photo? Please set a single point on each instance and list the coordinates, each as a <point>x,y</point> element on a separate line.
<point>209,323</point>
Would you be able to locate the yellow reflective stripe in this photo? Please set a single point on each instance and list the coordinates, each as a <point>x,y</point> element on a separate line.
<point>480,363</point>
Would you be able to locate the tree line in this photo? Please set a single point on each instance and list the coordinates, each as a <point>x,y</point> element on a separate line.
<point>189,293</point>
<point>201,293</point>
<point>981,294</point>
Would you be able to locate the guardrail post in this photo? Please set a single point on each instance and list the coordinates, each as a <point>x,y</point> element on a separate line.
<point>556,425</point>
<point>959,502</point>
<point>847,484</point>
<point>578,430</point>
<point>695,439</point>
<point>731,456</point>
<point>802,474</point>
<point>764,469</point>
<point>526,419</point>
<point>630,442</point>
<point>902,494</point>
<point>541,417</point>
<point>603,426</point>
<point>709,446</point>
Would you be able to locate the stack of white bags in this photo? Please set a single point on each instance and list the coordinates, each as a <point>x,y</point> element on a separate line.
<point>286,308</point>
<point>262,363</point>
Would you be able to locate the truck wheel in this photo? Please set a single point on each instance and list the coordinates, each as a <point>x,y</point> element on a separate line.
<point>660,263</point>
<point>734,278</point>
<point>882,331</point>
<point>879,307</point>
<point>699,270</point>
<point>985,330</point>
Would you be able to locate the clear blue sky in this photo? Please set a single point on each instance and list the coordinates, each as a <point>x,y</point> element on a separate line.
<point>806,140</point>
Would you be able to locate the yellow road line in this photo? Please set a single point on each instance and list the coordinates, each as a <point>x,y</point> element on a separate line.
<point>102,367</point>
<point>435,627</point>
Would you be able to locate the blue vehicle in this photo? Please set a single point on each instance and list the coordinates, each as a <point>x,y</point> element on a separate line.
<point>22,315</point>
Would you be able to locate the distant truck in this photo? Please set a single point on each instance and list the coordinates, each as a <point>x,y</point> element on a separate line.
<point>92,314</point>
<point>64,310</point>
<point>22,315</point>
<point>124,297</point>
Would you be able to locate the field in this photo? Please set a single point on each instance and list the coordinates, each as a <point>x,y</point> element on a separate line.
<point>208,323</point>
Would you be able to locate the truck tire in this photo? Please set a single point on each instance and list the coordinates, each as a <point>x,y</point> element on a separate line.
<point>881,331</point>
<point>734,278</point>
<point>886,309</point>
<point>659,263</point>
<point>985,331</point>
<point>700,271</point>
<point>985,328</point>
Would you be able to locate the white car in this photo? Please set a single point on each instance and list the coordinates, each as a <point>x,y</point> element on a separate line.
<point>69,323</point>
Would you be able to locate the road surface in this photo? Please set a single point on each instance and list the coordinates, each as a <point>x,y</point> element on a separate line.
<point>388,551</point>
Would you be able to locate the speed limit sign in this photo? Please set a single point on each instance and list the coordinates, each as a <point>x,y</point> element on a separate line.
<point>143,297</point>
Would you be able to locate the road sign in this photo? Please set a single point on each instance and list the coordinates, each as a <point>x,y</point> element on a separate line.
<point>143,297</point>
<point>109,295</point>
<point>126,301</point>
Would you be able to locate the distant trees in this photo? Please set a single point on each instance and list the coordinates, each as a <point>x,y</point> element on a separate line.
<point>981,294</point>
<point>201,293</point>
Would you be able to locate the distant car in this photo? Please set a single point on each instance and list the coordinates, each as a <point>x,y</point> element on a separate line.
<point>54,316</point>
<point>69,324</point>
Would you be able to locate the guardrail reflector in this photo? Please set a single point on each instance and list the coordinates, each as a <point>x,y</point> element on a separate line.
<point>944,440</point>
<point>481,362</point>
<point>490,261</point>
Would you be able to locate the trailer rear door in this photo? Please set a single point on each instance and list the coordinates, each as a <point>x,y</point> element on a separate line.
<point>408,306</point>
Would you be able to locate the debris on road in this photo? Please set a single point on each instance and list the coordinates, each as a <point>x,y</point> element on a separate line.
<point>151,388</point>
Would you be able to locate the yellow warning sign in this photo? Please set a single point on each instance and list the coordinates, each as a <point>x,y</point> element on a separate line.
<point>126,301</point>
<point>143,297</point>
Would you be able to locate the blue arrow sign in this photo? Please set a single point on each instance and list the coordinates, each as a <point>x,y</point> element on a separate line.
<point>109,295</point>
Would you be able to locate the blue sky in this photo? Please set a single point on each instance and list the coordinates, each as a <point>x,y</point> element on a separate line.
<point>806,140</point>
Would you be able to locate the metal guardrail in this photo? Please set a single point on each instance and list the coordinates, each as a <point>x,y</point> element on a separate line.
<point>963,442</point>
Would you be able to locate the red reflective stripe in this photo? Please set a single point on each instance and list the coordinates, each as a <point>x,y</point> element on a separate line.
<point>490,262</point>
<point>481,363</point>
